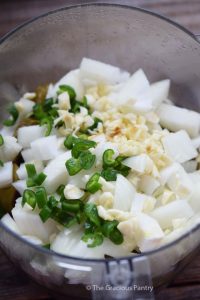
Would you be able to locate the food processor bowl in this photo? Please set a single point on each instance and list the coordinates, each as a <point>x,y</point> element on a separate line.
<point>46,48</point>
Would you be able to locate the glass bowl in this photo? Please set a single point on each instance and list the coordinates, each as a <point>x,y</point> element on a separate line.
<point>44,49</point>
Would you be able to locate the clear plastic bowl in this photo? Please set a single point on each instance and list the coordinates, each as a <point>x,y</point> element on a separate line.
<point>43,50</point>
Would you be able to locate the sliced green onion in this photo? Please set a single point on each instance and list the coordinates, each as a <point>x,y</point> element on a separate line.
<point>110,230</point>
<point>29,197</point>
<point>87,160</point>
<point>96,239</point>
<point>14,116</point>
<point>116,237</point>
<point>73,166</point>
<point>31,170</point>
<point>68,89</point>
<point>84,102</point>
<point>112,167</point>
<point>108,160</point>
<point>72,206</point>
<point>93,185</point>
<point>1,163</point>
<point>1,140</point>
<point>95,125</point>
<point>108,227</point>
<point>75,106</point>
<point>109,174</point>
<point>48,104</point>
<point>91,213</point>
<point>60,124</point>
<point>69,141</point>
<point>52,202</point>
<point>89,227</point>
<point>34,178</point>
<point>45,213</point>
<point>83,136</point>
<point>38,112</point>
<point>63,218</point>
<point>49,125</point>
<point>41,197</point>
<point>70,222</point>
<point>60,190</point>
<point>53,113</point>
<point>82,146</point>
<point>124,170</point>
<point>120,158</point>
<point>80,217</point>
<point>30,182</point>
<point>40,178</point>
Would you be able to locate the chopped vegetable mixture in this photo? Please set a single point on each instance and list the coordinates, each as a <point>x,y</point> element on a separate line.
<point>100,163</point>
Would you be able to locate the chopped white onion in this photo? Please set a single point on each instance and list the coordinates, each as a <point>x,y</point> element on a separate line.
<point>124,194</point>
<point>27,134</point>
<point>56,172</point>
<point>176,118</point>
<point>179,146</point>
<point>173,210</point>
<point>6,174</point>
<point>45,148</point>
<point>10,149</point>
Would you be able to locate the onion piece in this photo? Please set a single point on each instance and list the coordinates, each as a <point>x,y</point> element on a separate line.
<point>10,149</point>
<point>173,210</point>
<point>56,172</point>
<point>28,134</point>
<point>10,223</point>
<point>179,146</point>
<point>176,118</point>
<point>45,148</point>
<point>29,223</point>
<point>95,72</point>
<point>6,174</point>
<point>124,194</point>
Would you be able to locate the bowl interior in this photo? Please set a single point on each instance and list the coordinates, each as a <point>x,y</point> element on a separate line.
<point>49,46</point>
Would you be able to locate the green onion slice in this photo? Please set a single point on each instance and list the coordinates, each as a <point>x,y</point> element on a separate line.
<point>29,197</point>
<point>95,239</point>
<point>73,166</point>
<point>109,229</point>
<point>82,145</point>
<point>13,116</point>
<point>52,202</point>
<point>47,106</point>
<point>109,174</point>
<point>72,206</point>
<point>31,170</point>
<point>93,185</point>
<point>45,213</point>
<point>60,190</point>
<point>87,160</point>
<point>91,213</point>
<point>41,197</point>
<point>40,178</point>
<point>69,141</point>
<point>1,140</point>
<point>95,125</point>
<point>108,160</point>
<point>49,125</point>
<point>34,179</point>
<point>68,89</point>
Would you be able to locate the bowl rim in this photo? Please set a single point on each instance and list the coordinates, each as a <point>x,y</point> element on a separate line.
<point>73,259</point>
